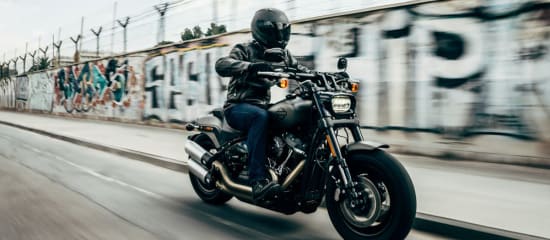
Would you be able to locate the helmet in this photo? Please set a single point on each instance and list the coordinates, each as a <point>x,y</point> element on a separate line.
<point>271,28</point>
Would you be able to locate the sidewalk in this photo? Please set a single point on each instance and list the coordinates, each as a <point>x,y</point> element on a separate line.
<point>145,143</point>
<point>506,197</point>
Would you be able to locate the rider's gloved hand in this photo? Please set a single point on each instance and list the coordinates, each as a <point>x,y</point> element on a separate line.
<point>258,81</point>
<point>256,67</point>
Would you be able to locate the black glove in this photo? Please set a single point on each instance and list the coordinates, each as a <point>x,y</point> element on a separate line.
<point>256,67</point>
<point>258,81</point>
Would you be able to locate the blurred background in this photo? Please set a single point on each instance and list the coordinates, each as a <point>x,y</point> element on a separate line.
<point>458,88</point>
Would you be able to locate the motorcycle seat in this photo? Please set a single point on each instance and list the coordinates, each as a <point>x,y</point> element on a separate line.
<point>229,133</point>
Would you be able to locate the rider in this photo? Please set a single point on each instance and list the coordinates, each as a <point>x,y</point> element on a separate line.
<point>248,95</point>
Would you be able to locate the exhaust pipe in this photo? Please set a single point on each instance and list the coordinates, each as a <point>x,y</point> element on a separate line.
<point>198,156</point>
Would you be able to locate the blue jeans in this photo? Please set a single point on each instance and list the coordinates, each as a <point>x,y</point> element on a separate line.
<point>252,119</point>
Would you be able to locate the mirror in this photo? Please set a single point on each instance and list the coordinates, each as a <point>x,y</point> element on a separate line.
<point>342,63</point>
<point>274,54</point>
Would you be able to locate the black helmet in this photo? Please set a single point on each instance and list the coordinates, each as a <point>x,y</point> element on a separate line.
<point>271,28</point>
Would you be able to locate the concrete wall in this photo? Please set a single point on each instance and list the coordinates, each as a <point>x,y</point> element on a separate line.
<point>437,78</point>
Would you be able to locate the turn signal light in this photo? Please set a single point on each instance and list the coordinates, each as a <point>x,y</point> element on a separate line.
<point>283,83</point>
<point>355,87</point>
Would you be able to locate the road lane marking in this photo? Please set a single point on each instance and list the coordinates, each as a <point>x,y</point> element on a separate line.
<point>98,175</point>
<point>110,179</point>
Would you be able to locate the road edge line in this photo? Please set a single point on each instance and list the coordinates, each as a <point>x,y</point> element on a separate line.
<point>156,160</point>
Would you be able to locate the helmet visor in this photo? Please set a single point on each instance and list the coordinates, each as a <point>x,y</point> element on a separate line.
<point>279,31</point>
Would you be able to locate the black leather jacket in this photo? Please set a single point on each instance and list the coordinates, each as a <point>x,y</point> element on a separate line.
<point>241,88</point>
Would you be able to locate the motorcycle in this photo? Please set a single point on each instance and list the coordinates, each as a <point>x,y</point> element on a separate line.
<point>315,151</point>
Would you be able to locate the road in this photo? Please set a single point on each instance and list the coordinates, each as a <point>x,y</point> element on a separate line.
<point>52,189</point>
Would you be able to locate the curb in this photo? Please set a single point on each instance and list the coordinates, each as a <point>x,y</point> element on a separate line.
<point>454,229</point>
<point>160,161</point>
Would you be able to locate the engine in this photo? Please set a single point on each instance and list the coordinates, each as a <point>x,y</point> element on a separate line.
<point>284,153</point>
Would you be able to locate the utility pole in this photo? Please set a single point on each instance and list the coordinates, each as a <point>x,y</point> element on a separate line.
<point>124,25</point>
<point>113,30</point>
<point>161,9</point>
<point>81,33</point>
<point>97,33</point>
<point>215,11</point>
<point>291,6</point>
<point>234,6</point>
<point>75,41</point>
<point>24,58</point>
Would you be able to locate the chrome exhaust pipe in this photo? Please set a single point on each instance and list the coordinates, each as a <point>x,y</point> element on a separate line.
<point>228,183</point>
<point>198,156</point>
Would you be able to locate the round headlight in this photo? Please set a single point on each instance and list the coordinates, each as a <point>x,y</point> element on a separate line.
<point>341,104</point>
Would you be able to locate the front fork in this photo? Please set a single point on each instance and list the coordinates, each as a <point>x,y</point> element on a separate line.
<point>347,185</point>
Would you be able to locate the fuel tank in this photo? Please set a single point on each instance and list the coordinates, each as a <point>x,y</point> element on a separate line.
<point>290,113</point>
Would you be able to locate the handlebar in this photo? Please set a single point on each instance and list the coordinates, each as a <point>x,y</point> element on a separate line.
<point>287,75</point>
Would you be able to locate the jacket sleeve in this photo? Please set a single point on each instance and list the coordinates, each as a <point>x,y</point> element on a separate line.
<point>235,64</point>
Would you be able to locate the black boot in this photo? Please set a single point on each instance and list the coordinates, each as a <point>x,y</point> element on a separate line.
<point>264,188</point>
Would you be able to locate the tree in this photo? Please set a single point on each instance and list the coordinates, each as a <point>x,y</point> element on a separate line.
<point>197,32</point>
<point>187,35</point>
<point>41,63</point>
<point>215,29</point>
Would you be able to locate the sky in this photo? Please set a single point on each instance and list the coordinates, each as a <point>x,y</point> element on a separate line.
<point>34,21</point>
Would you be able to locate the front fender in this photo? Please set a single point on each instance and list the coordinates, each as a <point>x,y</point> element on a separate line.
<point>363,146</point>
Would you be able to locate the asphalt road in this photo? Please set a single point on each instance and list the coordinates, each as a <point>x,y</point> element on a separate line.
<point>57,190</point>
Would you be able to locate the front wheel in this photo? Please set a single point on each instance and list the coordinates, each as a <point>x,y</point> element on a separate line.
<point>389,200</point>
<point>209,194</point>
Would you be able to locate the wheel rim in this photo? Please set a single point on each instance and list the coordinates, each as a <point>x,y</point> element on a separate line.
<point>374,211</point>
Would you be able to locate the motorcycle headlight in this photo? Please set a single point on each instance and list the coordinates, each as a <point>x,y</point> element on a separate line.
<point>341,104</point>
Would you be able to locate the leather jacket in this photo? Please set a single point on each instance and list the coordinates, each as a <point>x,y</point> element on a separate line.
<point>243,89</point>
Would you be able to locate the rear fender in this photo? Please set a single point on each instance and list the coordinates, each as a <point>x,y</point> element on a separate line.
<point>214,123</point>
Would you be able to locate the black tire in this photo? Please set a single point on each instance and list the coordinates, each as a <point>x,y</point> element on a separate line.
<point>209,194</point>
<point>396,190</point>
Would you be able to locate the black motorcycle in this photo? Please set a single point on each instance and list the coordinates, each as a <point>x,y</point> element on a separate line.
<point>315,150</point>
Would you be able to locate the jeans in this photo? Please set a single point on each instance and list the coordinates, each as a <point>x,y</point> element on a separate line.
<point>252,119</point>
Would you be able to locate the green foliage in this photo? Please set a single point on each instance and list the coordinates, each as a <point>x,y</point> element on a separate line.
<point>215,29</point>
<point>187,35</point>
<point>197,32</point>
<point>41,63</point>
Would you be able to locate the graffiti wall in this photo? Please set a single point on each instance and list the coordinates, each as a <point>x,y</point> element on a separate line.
<point>109,88</point>
<point>41,92</point>
<point>457,69</point>
<point>21,92</point>
<point>7,93</point>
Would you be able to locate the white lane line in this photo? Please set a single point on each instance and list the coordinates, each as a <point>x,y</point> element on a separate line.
<point>109,179</point>
<point>99,175</point>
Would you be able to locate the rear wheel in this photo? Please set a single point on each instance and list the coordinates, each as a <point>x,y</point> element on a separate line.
<point>387,192</point>
<point>209,194</point>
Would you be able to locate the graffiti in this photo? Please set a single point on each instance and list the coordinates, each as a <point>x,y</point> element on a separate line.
<point>457,69</point>
<point>182,85</point>
<point>105,88</point>
<point>7,93</point>
<point>460,74</point>
<point>21,92</point>
<point>41,92</point>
